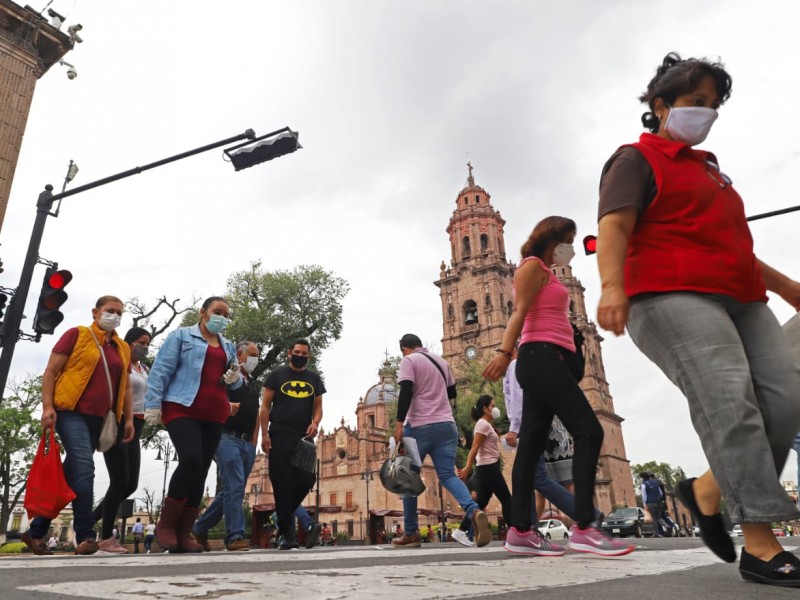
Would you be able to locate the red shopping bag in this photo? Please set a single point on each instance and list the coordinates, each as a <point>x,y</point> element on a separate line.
<point>47,492</point>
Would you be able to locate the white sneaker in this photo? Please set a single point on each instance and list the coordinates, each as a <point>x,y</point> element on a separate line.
<point>111,546</point>
<point>462,538</point>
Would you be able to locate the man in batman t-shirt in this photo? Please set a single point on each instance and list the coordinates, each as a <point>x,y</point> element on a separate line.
<point>291,410</point>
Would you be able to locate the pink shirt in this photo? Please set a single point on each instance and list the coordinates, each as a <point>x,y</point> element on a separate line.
<point>546,319</point>
<point>489,452</point>
<point>429,402</point>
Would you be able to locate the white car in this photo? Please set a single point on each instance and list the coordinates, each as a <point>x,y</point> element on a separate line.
<point>737,531</point>
<point>553,529</point>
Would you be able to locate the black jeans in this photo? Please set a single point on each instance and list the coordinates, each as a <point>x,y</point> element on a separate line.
<point>122,462</point>
<point>549,388</point>
<point>289,483</point>
<point>195,442</point>
<point>489,480</point>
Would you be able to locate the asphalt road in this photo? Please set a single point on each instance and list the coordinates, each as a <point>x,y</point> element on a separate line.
<point>663,568</point>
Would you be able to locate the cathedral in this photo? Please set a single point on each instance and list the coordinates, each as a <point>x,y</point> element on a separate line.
<point>476,301</point>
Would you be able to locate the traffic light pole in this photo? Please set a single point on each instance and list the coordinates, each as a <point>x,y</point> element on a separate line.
<point>13,320</point>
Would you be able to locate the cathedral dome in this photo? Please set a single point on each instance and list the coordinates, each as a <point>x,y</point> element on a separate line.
<point>386,390</point>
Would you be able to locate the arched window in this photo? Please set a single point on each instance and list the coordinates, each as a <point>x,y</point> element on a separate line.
<point>450,311</point>
<point>484,242</point>
<point>510,308</point>
<point>470,312</point>
<point>487,301</point>
<point>465,248</point>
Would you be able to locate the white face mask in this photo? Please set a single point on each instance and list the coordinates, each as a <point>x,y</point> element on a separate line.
<point>250,363</point>
<point>690,124</point>
<point>563,254</point>
<point>495,413</point>
<point>108,321</point>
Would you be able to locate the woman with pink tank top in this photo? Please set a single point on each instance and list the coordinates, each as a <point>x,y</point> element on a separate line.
<point>549,388</point>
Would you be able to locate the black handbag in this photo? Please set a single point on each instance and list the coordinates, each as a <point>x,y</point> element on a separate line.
<point>305,456</point>
<point>577,361</point>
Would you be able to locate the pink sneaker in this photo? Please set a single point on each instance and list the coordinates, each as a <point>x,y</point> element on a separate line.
<point>594,541</point>
<point>531,543</point>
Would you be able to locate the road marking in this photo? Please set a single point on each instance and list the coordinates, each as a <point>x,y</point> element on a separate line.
<point>440,578</point>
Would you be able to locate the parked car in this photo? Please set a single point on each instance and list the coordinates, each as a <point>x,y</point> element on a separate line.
<point>737,531</point>
<point>627,521</point>
<point>553,529</point>
<point>779,532</point>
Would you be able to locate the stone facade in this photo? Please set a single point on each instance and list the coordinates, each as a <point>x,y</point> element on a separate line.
<point>29,46</point>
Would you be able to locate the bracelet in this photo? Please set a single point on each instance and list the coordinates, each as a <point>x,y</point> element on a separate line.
<point>504,352</point>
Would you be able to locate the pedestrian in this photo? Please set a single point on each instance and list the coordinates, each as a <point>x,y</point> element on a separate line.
<point>424,413</point>
<point>677,268</point>
<point>311,529</point>
<point>547,371</point>
<point>138,534</point>
<point>52,543</point>
<point>235,456</point>
<point>123,460</point>
<point>149,536</point>
<point>75,399</point>
<point>291,411</point>
<point>326,535</point>
<point>547,488</point>
<point>652,499</point>
<point>187,392</point>
<point>485,453</point>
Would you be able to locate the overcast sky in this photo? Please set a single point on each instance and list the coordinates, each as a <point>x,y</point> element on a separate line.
<point>391,99</point>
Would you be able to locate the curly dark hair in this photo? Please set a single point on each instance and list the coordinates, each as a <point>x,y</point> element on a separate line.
<point>676,77</point>
<point>549,229</point>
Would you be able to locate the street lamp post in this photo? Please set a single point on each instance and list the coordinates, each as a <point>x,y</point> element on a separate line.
<point>366,476</point>
<point>166,458</point>
<point>252,152</point>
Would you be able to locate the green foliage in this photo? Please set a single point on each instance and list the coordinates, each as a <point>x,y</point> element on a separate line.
<point>668,475</point>
<point>13,548</point>
<point>274,308</point>
<point>341,536</point>
<point>19,438</point>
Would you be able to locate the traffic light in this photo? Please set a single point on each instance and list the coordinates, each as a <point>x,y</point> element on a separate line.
<point>590,244</point>
<point>48,315</point>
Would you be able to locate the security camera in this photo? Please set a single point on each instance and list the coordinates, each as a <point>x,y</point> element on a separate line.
<point>72,73</point>
<point>73,30</point>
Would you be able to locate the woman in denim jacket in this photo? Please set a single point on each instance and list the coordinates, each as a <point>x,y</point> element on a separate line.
<point>187,393</point>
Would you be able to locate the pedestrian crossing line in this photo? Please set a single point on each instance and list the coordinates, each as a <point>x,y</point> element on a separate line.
<point>438,578</point>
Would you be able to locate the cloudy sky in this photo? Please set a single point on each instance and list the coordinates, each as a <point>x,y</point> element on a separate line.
<point>391,99</point>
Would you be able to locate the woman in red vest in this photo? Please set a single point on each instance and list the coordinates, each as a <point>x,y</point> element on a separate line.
<point>677,268</point>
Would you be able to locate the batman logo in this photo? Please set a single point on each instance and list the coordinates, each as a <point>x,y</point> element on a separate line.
<point>297,389</point>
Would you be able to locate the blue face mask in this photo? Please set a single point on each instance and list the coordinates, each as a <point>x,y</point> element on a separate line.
<point>216,323</point>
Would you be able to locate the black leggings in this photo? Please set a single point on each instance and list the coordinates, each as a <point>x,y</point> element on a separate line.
<point>549,388</point>
<point>489,480</point>
<point>123,462</point>
<point>196,443</point>
<point>290,484</point>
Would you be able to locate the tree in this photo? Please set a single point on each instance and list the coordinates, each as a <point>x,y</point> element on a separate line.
<point>19,435</point>
<point>143,315</point>
<point>149,502</point>
<point>272,309</point>
<point>668,475</point>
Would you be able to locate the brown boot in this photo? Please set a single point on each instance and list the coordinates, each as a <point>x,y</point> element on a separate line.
<point>184,529</point>
<point>166,528</point>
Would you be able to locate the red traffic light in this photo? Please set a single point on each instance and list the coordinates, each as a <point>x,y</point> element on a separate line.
<point>590,244</point>
<point>59,279</point>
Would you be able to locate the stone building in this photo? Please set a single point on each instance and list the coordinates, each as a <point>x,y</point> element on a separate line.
<point>477,300</point>
<point>29,46</point>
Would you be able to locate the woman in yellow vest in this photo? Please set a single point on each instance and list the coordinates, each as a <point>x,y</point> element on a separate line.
<point>75,399</point>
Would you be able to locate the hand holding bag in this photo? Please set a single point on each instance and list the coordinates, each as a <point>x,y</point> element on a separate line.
<point>108,431</point>
<point>398,477</point>
<point>47,491</point>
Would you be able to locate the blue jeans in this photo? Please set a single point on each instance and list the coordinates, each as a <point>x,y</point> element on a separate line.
<point>234,458</point>
<point>733,363</point>
<point>301,514</point>
<point>439,440</point>
<point>79,434</point>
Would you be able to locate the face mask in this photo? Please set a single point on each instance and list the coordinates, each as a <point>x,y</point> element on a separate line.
<point>495,413</point>
<point>216,323</point>
<point>690,124</point>
<point>298,361</point>
<point>138,352</point>
<point>563,254</point>
<point>250,363</point>
<point>108,321</point>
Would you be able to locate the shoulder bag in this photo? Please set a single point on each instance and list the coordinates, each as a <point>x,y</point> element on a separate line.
<point>108,431</point>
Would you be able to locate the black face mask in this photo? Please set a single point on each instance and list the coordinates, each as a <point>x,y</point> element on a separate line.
<point>298,362</point>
